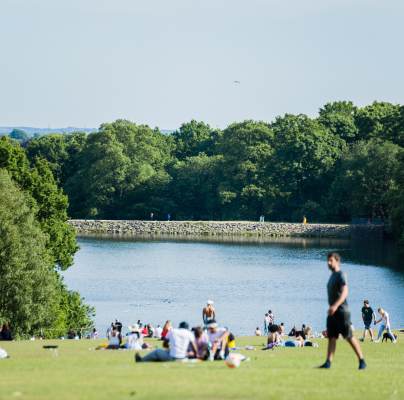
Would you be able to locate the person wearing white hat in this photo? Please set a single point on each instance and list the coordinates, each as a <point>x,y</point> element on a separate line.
<point>208,313</point>
<point>219,349</point>
<point>135,338</point>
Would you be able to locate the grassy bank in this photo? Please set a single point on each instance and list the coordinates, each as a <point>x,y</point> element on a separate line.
<point>77,371</point>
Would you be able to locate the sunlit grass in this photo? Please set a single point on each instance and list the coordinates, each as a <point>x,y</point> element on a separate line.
<point>77,371</point>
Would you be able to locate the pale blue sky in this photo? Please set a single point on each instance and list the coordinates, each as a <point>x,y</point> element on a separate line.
<point>164,62</point>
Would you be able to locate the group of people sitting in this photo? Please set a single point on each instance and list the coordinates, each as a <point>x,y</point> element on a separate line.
<point>212,343</point>
<point>295,338</point>
<point>276,334</point>
<point>134,337</point>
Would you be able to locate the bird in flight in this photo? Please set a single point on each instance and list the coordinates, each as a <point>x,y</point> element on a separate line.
<point>236,82</point>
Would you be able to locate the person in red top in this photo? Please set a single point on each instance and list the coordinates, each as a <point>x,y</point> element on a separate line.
<point>166,328</point>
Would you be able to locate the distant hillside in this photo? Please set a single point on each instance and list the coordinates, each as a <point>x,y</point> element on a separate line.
<point>31,131</point>
<point>5,130</point>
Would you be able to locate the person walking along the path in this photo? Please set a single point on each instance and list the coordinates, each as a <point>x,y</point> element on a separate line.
<point>339,318</point>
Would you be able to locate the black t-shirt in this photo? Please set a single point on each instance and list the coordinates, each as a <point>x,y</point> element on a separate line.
<point>367,313</point>
<point>334,288</point>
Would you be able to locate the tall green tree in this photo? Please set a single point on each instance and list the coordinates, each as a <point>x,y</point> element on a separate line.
<point>193,138</point>
<point>51,202</point>
<point>60,150</point>
<point>339,118</point>
<point>378,120</point>
<point>115,165</point>
<point>305,153</point>
<point>194,187</point>
<point>28,283</point>
<point>246,190</point>
<point>363,181</point>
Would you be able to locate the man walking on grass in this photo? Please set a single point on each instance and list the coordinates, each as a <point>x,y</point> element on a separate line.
<point>339,318</point>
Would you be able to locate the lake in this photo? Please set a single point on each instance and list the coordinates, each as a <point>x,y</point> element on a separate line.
<point>156,280</point>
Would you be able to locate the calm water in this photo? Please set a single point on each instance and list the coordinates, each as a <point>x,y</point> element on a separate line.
<point>162,279</point>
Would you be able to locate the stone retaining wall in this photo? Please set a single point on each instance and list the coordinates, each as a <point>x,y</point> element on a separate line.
<point>223,228</point>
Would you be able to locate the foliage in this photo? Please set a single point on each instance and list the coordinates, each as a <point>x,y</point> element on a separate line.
<point>51,210</point>
<point>114,166</point>
<point>35,241</point>
<point>18,134</point>
<point>334,167</point>
<point>194,138</point>
<point>28,281</point>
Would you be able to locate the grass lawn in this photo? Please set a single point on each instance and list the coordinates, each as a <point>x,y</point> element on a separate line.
<point>77,371</point>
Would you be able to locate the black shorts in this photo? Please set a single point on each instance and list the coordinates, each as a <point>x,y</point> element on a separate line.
<point>339,324</point>
<point>367,324</point>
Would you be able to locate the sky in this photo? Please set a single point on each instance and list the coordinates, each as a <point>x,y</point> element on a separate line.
<point>165,62</point>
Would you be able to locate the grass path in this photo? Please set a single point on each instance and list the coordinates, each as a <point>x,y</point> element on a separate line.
<point>77,371</point>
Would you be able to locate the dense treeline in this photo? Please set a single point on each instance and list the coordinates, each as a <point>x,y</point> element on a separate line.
<point>346,163</point>
<point>36,242</point>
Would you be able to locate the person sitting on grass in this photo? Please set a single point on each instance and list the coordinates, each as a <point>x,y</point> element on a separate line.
<point>231,342</point>
<point>166,328</point>
<point>274,338</point>
<point>201,343</point>
<point>219,349</point>
<point>177,342</point>
<point>135,339</point>
<point>258,331</point>
<point>292,331</point>
<point>115,340</point>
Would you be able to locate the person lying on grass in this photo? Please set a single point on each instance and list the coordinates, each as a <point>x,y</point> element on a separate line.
<point>177,343</point>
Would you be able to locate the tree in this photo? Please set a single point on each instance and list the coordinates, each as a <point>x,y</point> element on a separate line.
<point>339,118</point>
<point>194,138</point>
<point>19,135</point>
<point>305,153</point>
<point>363,181</point>
<point>60,150</point>
<point>28,283</point>
<point>396,200</point>
<point>51,203</point>
<point>194,187</point>
<point>117,162</point>
<point>378,120</point>
<point>246,190</point>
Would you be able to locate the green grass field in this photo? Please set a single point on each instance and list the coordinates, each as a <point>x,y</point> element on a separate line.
<point>77,371</point>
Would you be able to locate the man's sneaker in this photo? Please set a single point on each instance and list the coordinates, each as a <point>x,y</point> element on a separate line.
<point>138,358</point>
<point>326,365</point>
<point>362,364</point>
<point>377,341</point>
